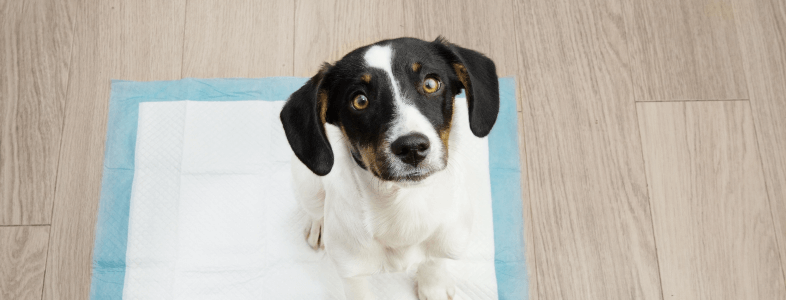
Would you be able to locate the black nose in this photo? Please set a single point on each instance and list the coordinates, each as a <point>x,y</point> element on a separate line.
<point>411,148</point>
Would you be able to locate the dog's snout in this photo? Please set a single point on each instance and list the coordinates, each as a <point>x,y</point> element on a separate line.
<point>411,148</point>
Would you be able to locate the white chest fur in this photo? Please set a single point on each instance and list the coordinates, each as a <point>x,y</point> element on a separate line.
<point>372,225</point>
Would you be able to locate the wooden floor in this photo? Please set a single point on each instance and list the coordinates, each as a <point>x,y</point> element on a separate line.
<point>653,133</point>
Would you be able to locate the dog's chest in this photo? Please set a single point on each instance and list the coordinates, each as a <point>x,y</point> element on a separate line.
<point>404,218</point>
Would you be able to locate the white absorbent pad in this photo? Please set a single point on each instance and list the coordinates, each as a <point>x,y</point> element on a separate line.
<point>213,216</point>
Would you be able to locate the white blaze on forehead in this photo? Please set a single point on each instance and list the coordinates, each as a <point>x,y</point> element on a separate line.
<point>381,57</point>
<point>408,119</point>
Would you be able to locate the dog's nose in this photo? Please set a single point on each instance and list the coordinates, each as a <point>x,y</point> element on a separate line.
<point>411,148</point>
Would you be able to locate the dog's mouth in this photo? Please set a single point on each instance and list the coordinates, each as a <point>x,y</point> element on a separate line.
<point>409,178</point>
<point>384,171</point>
<point>413,177</point>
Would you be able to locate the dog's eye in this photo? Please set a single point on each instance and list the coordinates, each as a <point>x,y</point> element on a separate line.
<point>430,85</point>
<point>360,102</point>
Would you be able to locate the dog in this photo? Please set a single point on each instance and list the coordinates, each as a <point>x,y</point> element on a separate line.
<point>374,139</point>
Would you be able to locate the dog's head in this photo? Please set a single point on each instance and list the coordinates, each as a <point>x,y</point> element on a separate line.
<point>394,102</point>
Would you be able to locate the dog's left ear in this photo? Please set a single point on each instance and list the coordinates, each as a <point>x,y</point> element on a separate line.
<point>479,76</point>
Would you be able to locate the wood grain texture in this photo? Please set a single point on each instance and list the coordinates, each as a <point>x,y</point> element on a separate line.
<point>592,225</point>
<point>22,261</point>
<point>327,30</point>
<point>468,24</point>
<point>246,39</point>
<point>483,26</point>
<point>684,50</point>
<point>712,219</point>
<point>588,226</point>
<point>118,39</point>
<point>36,44</point>
<point>762,31</point>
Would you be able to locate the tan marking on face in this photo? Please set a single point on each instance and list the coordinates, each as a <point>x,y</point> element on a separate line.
<point>444,132</point>
<point>322,100</point>
<point>344,131</point>
<point>416,67</point>
<point>369,157</point>
<point>381,163</point>
<point>367,154</point>
<point>463,76</point>
<point>366,78</point>
<point>444,135</point>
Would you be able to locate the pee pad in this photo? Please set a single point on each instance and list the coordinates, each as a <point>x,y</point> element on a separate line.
<point>196,201</point>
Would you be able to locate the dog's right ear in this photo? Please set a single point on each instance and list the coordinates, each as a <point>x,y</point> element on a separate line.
<point>304,117</point>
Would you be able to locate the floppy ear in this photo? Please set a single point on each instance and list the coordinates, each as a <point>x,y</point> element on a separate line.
<point>303,117</point>
<point>479,76</point>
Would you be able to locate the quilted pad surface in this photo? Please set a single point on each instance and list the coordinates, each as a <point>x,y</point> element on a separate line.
<point>213,215</point>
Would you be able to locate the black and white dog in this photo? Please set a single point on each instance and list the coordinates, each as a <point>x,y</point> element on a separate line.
<point>374,135</point>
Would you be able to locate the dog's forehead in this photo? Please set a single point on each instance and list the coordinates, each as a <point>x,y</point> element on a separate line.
<point>389,56</point>
<point>380,57</point>
<point>401,52</point>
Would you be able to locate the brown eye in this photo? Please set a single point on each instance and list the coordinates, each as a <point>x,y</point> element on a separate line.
<point>430,85</point>
<point>360,102</point>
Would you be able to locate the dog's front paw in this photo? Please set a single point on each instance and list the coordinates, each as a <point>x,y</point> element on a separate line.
<point>314,234</point>
<point>436,288</point>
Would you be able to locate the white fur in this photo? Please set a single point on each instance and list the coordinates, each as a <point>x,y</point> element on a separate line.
<point>373,226</point>
<point>407,119</point>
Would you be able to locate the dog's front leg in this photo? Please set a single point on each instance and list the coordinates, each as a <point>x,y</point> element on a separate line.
<point>310,194</point>
<point>357,288</point>
<point>434,281</point>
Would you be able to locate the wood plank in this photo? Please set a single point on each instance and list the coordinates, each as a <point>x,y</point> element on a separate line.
<point>118,39</point>
<point>342,27</point>
<point>684,50</point>
<point>36,42</point>
<point>22,261</point>
<point>592,225</point>
<point>468,24</point>
<point>245,39</point>
<point>710,210</point>
<point>485,26</point>
<point>327,30</point>
<point>762,32</point>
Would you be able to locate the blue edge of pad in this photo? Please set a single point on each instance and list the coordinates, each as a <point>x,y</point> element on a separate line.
<point>112,227</point>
